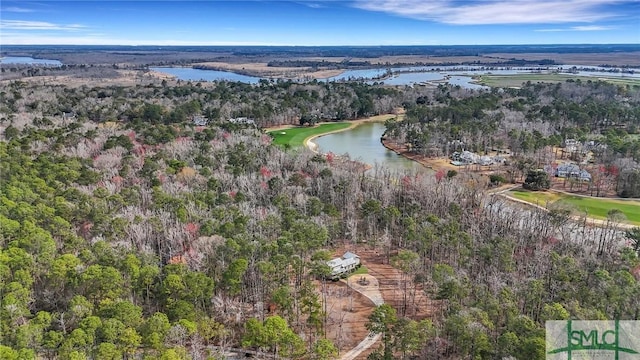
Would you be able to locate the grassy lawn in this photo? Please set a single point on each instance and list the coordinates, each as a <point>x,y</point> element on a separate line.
<point>360,271</point>
<point>596,207</point>
<point>518,79</point>
<point>294,137</point>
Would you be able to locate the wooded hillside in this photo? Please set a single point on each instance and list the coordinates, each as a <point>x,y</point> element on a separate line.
<point>128,232</point>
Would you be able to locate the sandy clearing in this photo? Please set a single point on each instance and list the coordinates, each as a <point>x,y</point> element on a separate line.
<point>347,313</point>
<point>370,288</point>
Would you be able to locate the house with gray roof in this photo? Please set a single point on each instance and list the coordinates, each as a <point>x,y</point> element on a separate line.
<point>342,266</point>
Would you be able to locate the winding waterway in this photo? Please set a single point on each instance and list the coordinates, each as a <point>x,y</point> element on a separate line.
<point>362,143</point>
<point>455,75</point>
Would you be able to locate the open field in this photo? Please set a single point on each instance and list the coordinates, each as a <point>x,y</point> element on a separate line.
<point>596,208</point>
<point>517,80</point>
<point>296,136</point>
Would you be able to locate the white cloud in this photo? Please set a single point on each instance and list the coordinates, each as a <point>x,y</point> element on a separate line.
<point>318,4</point>
<point>17,9</point>
<point>38,25</point>
<point>591,28</point>
<point>494,11</point>
<point>579,28</point>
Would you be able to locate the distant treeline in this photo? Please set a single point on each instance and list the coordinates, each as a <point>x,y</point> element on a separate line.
<point>348,64</point>
<point>320,64</point>
<point>348,51</point>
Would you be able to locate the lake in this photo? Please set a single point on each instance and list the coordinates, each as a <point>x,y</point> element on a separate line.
<point>190,74</point>
<point>362,143</point>
<point>25,60</point>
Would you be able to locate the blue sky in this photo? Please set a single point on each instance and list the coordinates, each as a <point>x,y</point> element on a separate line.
<point>320,22</point>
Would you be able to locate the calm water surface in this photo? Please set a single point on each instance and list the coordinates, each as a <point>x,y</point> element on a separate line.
<point>357,74</point>
<point>191,74</point>
<point>466,82</point>
<point>362,143</point>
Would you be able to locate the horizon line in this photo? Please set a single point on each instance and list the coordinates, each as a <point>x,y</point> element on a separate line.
<point>289,45</point>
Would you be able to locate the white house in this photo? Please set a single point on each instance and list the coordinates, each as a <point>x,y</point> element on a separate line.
<point>485,160</point>
<point>200,120</point>
<point>469,157</point>
<point>243,121</point>
<point>572,171</point>
<point>567,170</point>
<point>343,265</point>
<point>572,145</point>
<point>584,175</point>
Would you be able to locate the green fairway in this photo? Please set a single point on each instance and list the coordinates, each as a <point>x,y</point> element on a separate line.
<point>596,208</point>
<point>295,137</point>
<point>518,79</point>
<point>541,198</point>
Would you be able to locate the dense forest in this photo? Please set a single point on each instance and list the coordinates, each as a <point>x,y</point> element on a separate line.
<point>128,232</point>
<point>268,103</point>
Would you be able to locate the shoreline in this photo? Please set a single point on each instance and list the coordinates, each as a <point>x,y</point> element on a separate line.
<point>309,144</point>
<point>308,141</point>
<point>431,163</point>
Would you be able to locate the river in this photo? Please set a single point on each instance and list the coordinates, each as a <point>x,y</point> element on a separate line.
<point>362,143</point>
